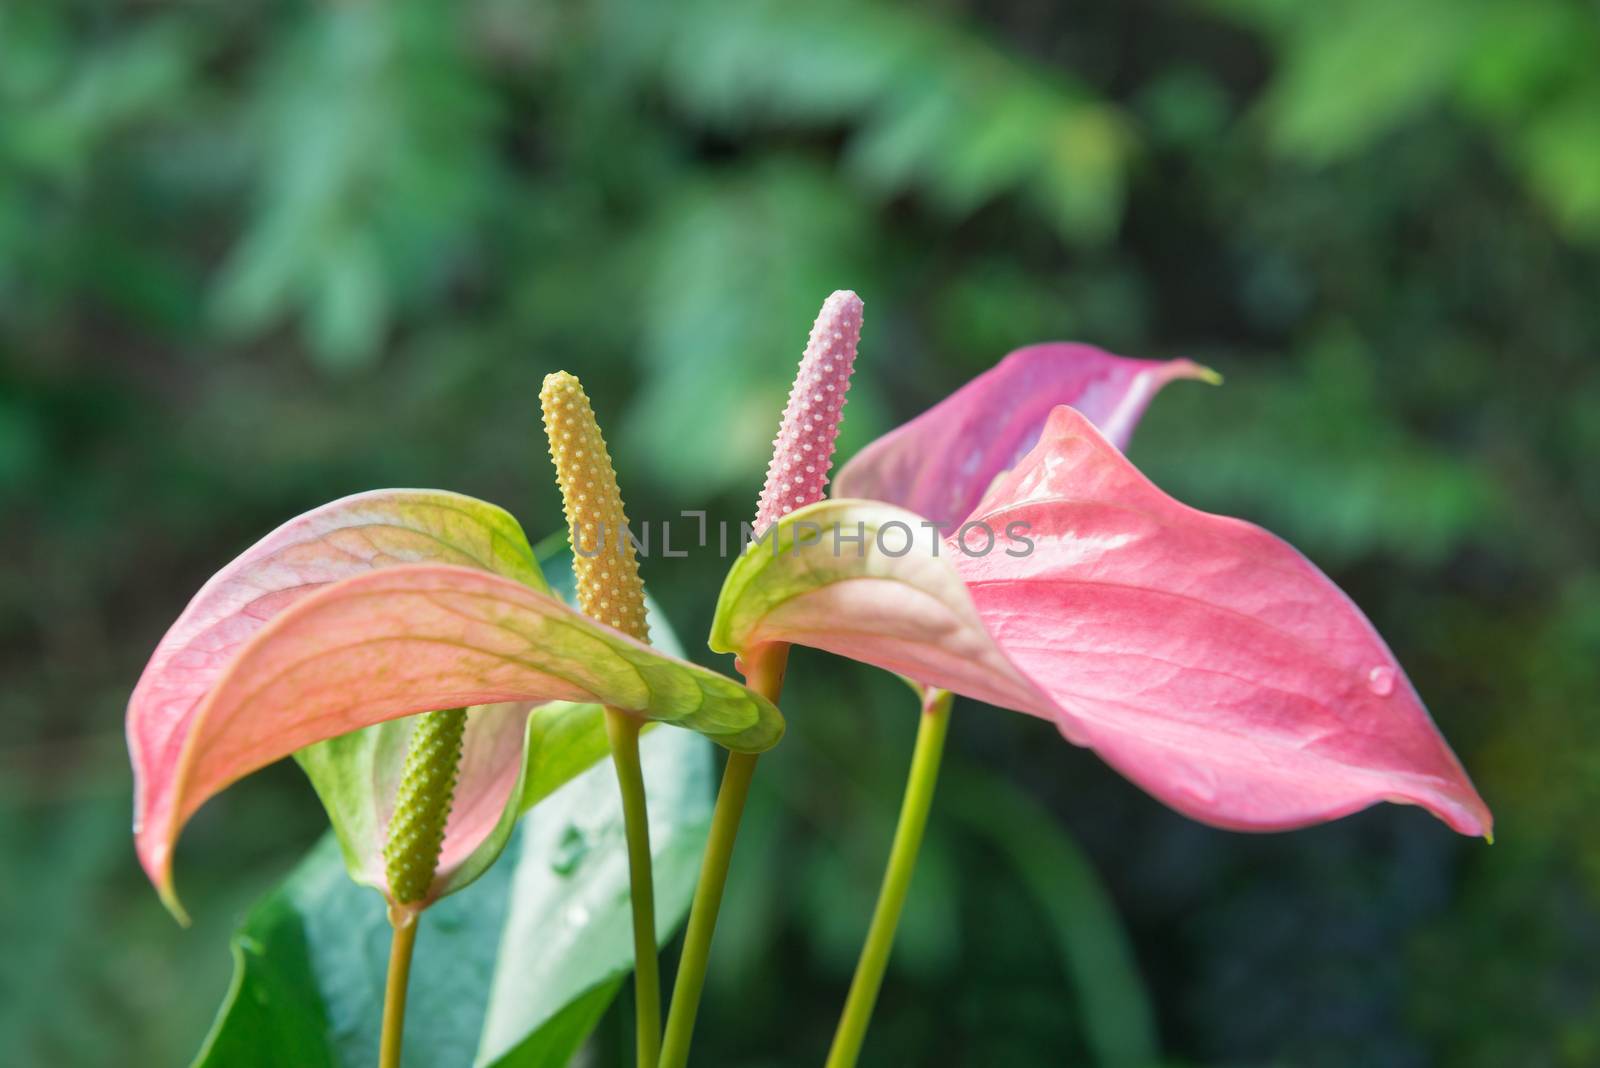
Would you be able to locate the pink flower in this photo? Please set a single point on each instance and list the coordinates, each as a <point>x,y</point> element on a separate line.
<point>1201,656</point>
<point>372,608</point>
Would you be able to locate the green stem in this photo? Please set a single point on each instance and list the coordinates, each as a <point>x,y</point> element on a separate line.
<point>623,730</point>
<point>764,673</point>
<point>394,992</point>
<point>896,881</point>
<point>411,853</point>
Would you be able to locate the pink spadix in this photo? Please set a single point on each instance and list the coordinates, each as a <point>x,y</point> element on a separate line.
<point>802,453</point>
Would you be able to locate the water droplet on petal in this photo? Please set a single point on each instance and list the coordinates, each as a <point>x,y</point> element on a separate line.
<point>1380,680</point>
<point>577,916</point>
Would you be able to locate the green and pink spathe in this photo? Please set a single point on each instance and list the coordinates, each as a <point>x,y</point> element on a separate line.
<point>1201,656</point>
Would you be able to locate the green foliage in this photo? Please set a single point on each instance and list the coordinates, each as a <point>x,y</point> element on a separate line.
<point>516,971</point>
<point>1118,1020</point>
<point>932,108</point>
<point>788,229</point>
<point>366,135</point>
<point>1357,71</point>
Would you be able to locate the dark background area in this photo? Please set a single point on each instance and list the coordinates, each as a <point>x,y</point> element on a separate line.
<point>254,256</point>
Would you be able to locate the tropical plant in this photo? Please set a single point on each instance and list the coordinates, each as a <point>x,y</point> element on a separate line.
<point>1201,656</point>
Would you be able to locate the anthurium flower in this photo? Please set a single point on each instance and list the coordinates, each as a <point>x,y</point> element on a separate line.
<point>1201,656</point>
<point>369,609</point>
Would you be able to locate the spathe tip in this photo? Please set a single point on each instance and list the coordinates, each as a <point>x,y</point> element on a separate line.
<point>169,898</point>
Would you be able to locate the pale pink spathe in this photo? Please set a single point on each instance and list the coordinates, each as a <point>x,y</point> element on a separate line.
<point>412,638</point>
<point>345,538</point>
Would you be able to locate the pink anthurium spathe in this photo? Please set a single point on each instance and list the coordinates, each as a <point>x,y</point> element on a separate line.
<point>941,463</point>
<point>294,643</point>
<point>1201,656</point>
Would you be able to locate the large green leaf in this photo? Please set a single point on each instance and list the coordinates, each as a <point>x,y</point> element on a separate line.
<point>514,972</point>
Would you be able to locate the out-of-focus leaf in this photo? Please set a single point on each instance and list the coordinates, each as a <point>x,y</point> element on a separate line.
<point>1318,458</point>
<point>1560,148</point>
<point>721,344</point>
<point>374,139</point>
<point>55,117</point>
<point>1406,55</point>
<point>934,109</point>
<point>515,972</point>
<point>349,308</point>
<point>1112,1001</point>
<point>1353,71</point>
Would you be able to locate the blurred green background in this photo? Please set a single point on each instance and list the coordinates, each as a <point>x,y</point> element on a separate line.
<point>254,256</point>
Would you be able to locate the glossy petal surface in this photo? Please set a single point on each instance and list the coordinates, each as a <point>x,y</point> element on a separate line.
<point>941,463</point>
<point>1201,656</point>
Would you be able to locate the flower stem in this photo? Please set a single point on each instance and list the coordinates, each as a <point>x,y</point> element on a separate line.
<point>623,730</point>
<point>764,673</point>
<point>394,992</point>
<point>896,881</point>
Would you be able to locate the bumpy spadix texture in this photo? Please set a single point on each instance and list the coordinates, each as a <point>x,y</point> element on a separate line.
<point>422,804</point>
<point>802,453</point>
<point>603,559</point>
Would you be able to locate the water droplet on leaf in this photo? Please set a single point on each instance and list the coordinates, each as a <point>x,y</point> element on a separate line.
<point>570,851</point>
